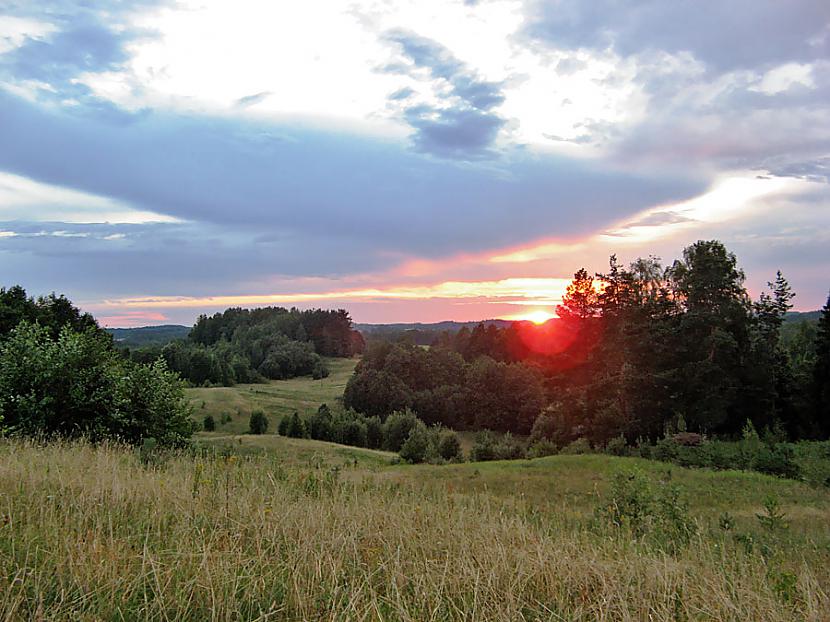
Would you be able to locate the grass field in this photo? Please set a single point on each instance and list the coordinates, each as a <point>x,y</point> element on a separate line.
<point>92,533</point>
<point>276,399</point>
<point>270,528</point>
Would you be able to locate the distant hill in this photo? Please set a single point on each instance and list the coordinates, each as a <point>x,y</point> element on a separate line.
<point>148,335</point>
<point>799,316</point>
<point>448,326</point>
<point>420,333</point>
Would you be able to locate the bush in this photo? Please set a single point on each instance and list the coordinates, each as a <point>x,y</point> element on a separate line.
<point>374,432</point>
<point>351,429</point>
<point>321,424</point>
<point>579,446</point>
<point>320,370</point>
<point>282,428</point>
<point>75,384</point>
<point>617,446</point>
<point>490,446</point>
<point>448,445</point>
<point>296,427</point>
<point>208,424</point>
<point>396,429</point>
<point>415,448</point>
<point>484,447</point>
<point>778,460</point>
<point>258,423</point>
<point>638,507</point>
<point>508,448</point>
<point>665,450</point>
<point>542,448</point>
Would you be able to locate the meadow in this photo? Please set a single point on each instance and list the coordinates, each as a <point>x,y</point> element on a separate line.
<point>243,527</point>
<point>276,399</point>
<point>106,533</point>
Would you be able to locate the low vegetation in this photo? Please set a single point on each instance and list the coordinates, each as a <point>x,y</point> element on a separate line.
<point>95,532</point>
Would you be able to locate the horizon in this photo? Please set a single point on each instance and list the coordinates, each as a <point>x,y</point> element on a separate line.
<point>412,162</point>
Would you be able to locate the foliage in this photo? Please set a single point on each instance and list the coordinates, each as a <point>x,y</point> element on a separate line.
<point>676,352</point>
<point>645,510</point>
<point>396,429</point>
<point>440,387</point>
<point>208,423</point>
<point>258,423</point>
<point>416,447</point>
<point>254,345</point>
<point>577,447</point>
<point>490,445</point>
<point>75,384</point>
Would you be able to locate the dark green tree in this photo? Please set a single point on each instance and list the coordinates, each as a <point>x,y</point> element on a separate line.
<point>821,374</point>
<point>258,424</point>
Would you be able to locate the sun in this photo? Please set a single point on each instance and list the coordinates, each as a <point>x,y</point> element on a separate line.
<point>537,316</point>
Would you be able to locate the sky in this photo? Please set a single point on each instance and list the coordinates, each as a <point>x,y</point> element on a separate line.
<point>407,161</point>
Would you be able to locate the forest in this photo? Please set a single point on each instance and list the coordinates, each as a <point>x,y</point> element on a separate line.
<point>257,345</point>
<point>637,352</point>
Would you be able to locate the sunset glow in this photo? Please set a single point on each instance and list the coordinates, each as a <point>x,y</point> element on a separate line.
<point>436,159</point>
<point>538,316</point>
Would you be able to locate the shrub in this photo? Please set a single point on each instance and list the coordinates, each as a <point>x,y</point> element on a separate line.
<point>617,446</point>
<point>579,446</point>
<point>296,427</point>
<point>638,507</point>
<point>75,384</point>
<point>396,429</point>
<point>374,432</point>
<point>777,460</point>
<point>351,429</point>
<point>282,428</point>
<point>321,425</point>
<point>542,448</point>
<point>417,445</point>
<point>665,450</point>
<point>320,370</point>
<point>484,447</point>
<point>448,445</point>
<point>258,423</point>
<point>208,424</point>
<point>509,448</point>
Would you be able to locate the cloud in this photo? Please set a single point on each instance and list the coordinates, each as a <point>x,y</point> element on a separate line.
<point>463,124</point>
<point>233,172</point>
<point>726,36</point>
<point>251,100</point>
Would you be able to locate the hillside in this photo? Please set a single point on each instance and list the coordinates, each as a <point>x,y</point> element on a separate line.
<point>305,533</point>
<point>148,335</point>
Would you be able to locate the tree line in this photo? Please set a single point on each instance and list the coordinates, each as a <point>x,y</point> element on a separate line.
<point>255,345</point>
<point>637,351</point>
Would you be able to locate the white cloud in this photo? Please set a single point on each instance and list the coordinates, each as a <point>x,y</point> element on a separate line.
<point>17,29</point>
<point>785,77</point>
<point>27,200</point>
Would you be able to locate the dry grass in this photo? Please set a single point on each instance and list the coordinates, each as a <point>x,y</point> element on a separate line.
<point>89,533</point>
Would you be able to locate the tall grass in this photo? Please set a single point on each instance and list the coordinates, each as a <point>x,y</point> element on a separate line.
<point>93,533</point>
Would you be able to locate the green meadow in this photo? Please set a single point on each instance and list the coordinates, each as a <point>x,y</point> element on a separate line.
<point>244,527</point>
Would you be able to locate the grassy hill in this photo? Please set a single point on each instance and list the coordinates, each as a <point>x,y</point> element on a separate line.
<point>245,527</point>
<point>297,533</point>
<point>276,398</point>
<point>148,335</point>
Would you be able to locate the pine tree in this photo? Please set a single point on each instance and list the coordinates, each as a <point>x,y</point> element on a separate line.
<point>821,375</point>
